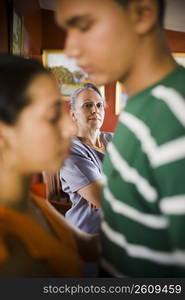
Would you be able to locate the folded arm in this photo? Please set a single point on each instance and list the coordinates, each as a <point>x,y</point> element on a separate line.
<point>91,193</point>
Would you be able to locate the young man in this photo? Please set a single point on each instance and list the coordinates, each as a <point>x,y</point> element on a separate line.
<point>143,199</point>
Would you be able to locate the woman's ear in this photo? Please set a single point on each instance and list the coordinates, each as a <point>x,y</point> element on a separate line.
<point>8,156</point>
<point>1,141</point>
<point>144,14</point>
<point>4,143</point>
<point>2,136</point>
<point>72,113</point>
<point>6,135</point>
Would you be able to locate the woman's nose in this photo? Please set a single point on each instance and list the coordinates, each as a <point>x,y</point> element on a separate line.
<point>94,108</point>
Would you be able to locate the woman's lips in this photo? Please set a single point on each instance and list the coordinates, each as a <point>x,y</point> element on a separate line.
<point>94,119</point>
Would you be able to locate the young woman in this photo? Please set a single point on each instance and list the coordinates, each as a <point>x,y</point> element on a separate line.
<point>32,139</point>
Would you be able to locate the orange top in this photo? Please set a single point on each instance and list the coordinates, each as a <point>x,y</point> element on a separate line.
<point>60,254</point>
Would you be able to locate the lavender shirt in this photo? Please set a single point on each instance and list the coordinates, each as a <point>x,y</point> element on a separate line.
<point>82,168</point>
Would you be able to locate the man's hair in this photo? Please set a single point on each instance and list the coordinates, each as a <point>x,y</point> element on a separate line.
<point>85,87</point>
<point>161,4</point>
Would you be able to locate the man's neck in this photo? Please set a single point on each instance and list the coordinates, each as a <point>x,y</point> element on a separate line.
<point>153,63</point>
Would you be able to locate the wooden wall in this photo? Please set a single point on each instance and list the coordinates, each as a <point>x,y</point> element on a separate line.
<point>4,27</point>
<point>52,36</point>
<point>176,40</point>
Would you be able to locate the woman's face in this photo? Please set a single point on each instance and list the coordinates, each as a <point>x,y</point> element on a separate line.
<point>89,110</point>
<point>40,139</point>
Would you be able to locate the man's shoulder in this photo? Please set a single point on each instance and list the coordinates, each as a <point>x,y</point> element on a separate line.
<point>173,83</point>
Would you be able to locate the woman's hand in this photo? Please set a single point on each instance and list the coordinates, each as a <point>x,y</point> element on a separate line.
<point>92,206</point>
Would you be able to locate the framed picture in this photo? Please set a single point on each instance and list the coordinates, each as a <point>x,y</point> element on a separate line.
<point>120,98</point>
<point>16,33</point>
<point>68,75</point>
<point>180,58</point>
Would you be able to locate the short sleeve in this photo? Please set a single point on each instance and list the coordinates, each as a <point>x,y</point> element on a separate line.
<point>78,171</point>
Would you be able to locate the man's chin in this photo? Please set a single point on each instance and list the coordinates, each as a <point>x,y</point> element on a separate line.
<point>98,79</point>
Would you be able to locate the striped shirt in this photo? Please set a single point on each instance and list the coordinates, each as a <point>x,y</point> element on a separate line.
<point>143,199</point>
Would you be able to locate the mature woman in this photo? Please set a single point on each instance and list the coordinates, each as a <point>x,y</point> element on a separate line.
<point>81,174</point>
<point>32,139</point>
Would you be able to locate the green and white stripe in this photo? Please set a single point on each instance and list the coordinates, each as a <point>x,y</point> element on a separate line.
<point>143,198</point>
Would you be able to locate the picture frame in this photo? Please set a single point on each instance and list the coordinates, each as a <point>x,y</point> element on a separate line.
<point>179,57</point>
<point>16,33</point>
<point>68,75</point>
<point>120,97</point>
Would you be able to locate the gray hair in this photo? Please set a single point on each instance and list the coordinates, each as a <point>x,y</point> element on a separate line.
<point>86,86</point>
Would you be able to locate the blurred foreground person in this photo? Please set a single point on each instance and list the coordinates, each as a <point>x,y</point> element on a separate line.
<point>32,139</point>
<point>143,199</point>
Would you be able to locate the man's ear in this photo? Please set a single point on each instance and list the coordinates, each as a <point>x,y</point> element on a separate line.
<point>144,15</point>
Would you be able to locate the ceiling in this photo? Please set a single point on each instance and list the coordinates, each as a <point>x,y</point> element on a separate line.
<point>174,19</point>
